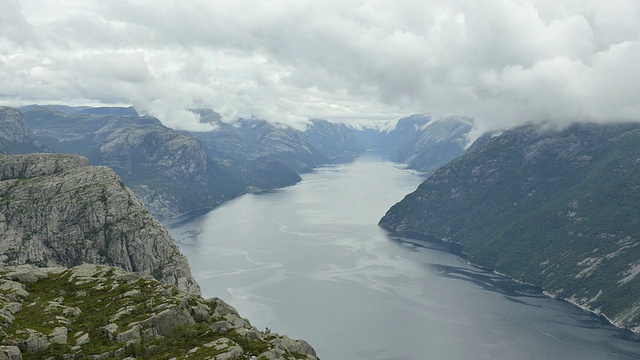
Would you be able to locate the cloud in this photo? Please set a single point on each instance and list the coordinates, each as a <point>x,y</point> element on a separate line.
<point>502,62</point>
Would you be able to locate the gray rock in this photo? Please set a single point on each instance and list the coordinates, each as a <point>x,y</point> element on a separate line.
<point>14,290</point>
<point>36,341</point>
<point>65,213</point>
<point>110,330</point>
<point>82,339</point>
<point>167,320</point>
<point>149,333</point>
<point>28,274</point>
<point>102,356</point>
<point>35,165</point>
<point>251,334</point>
<point>200,313</point>
<point>10,353</point>
<point>71,312</point>
<point>133,293</point>
<point>59,335</point>
<point>132,334</point>
<point>299,346</point>
<point>221,326</point>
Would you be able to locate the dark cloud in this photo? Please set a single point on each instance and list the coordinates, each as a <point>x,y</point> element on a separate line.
<point>502,62</point>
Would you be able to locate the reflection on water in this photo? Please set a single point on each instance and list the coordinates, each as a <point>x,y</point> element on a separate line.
<point>309,261</point>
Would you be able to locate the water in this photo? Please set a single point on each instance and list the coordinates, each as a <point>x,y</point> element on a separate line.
<point>309,261</point>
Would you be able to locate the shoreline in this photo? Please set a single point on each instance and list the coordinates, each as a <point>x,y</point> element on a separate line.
<point>457,249</point>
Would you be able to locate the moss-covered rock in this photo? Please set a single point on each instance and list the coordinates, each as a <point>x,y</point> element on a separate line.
<point>103,312</point>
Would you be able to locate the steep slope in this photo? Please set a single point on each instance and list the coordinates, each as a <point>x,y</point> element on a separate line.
<point>252,144</point>
<point>55,210</point>
<point>174,172</point>
<point>419,141</point>
<point>553,208</point>
<point>15,135</point>
<point>336,141</point>
<point>102,312</point>
<point>169,170</point>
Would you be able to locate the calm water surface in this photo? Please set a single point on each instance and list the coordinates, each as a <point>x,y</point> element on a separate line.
<point>309,261</point>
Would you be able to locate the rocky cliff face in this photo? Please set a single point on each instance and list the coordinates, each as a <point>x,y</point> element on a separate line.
<point>301,151</point>
<point>552,208</point>
<point>169,170</point>
<point>15,135</point>
<point>55,210</point>
<point>103,312</point>
<point>336,141</point>
<point>420,142</point>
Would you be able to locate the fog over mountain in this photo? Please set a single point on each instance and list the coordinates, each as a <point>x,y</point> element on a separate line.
<point>501,62</point>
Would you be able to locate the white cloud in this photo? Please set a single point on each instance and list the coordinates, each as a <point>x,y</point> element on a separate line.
<point>502,62</point>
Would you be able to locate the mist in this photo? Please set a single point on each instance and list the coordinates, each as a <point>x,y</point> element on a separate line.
<point>500,62</point>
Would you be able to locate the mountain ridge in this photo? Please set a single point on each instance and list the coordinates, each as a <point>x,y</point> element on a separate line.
<point>551,208</point>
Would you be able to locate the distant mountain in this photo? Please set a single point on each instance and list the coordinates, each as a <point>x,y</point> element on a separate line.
<point>88,110</point>
<point>554,208</point>
<point>174,172</point>
<point>169,170</point>
<point>258,141</point>
<point>15,135</point>
<point>335,141</point>
<point>419,141</point>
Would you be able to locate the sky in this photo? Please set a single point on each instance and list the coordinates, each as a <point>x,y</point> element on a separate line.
<point>500,62</point>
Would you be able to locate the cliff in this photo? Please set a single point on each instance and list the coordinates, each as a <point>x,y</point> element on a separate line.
<point>168,170</point>
<point>103,312</point>
<point>423,143</point>
<point>15,135</point>
<point>56,210</point>
<point>557,209</point>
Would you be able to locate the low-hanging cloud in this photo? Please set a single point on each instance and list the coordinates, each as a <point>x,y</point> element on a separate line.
<point>502,62</point>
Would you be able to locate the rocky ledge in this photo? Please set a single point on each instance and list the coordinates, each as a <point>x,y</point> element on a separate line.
<point>104,312</point>
<point>56,210</point>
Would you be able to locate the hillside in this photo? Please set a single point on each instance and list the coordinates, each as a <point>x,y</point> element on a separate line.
<point>103,312</point>
<point>56,210</point>
<point>174,172</point>
<point>554,208</point>
<point>168,170</point>
<point>419,141</point>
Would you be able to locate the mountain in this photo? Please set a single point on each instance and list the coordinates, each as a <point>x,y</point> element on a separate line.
<point>335,141</point>
<point>102,312</point>
<point>15,135</point>
<point>555,208</point>
<point>168,170</point>
<point>419,141</point>
<point>56,210</point>
<point>174,172</point>
<point>249,140</point>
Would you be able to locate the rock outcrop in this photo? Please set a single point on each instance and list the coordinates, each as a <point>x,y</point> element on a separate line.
<point>55,210</point>
<point>15,135</point>
<point>168,170</point>
<point>555,208</point>
<point>103,312</point>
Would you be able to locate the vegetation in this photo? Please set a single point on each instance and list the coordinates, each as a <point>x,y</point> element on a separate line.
<point>106,305</point>
<point>554,208</point>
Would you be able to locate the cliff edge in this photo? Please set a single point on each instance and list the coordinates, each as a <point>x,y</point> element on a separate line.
<point>56,210</point>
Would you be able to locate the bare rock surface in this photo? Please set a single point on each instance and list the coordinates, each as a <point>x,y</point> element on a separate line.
<point>55,210</point>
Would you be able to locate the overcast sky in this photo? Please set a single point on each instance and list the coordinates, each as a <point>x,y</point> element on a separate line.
<point>502,62</point>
